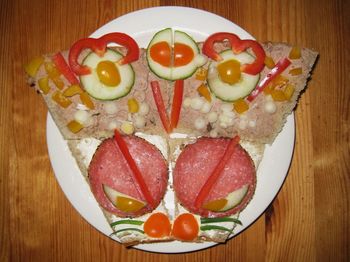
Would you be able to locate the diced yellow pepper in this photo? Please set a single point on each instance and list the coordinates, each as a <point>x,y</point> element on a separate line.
<point>201,74</point>
<point>58,82</point>
<point>240,106</point>
<point>268,89</point>
<point>73,90</point>
<point>289,91</point>
<point>204,92</point>
<point>33,66</point>
<point>44,85</point>
<point>74,126</point>
<point>86,100</point>
<point>133,105</point>
<point>279,80</point>
<point>296,71</point>
<point>278,95</point>
<point>52,70</point>
<point>269,62</point>
<point>60,99</point>
<point>295,53</point>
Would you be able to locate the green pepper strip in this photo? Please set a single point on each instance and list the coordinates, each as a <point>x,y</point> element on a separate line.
<point>205,220</point>
<point>127,221</point>
<point>210,227</point>
<point>127,229</point>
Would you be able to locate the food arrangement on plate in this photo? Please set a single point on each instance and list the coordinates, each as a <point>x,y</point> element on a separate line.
<point>180,118</point>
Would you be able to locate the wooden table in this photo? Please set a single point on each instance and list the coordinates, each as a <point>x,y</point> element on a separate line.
<point>308,221</point>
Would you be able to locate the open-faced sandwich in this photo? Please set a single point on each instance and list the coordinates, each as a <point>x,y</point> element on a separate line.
<point>169,138</point>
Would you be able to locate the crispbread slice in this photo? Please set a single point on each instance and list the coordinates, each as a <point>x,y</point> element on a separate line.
<point>107,115</point>
<point>256,124</point>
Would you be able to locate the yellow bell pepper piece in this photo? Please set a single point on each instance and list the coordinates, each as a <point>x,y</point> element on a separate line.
<point>296,71</point>
<point>204,92</point>
<point>278,95</point>
<point>72,90</point>
<point>44,85</point>
<point>58,82</point>
<point>289,91</point>
<point>33,66</point>
<point>60,99</point>
<point>52,70</point>
<point>86,100</point>
<point>201,74</point>
<point>295,53</point>
<point>269,62</point>
<point>215,205</point>
<point>74,126</point>
<point>240,106</point>
<point>133,105</point>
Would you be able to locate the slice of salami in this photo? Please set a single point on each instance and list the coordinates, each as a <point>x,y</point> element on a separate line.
<point>196,163</point>
<point>109,167</point>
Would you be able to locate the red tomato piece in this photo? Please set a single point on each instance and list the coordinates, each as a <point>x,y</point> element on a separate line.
<point>157,225</point>
<point>185,227</point>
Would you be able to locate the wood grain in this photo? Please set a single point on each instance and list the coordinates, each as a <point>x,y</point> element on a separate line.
<point>308,221</point>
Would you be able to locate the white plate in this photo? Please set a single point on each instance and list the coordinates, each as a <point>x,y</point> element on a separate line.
<point>141,25</point>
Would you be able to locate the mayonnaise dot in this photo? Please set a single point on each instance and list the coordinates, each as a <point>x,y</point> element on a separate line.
<point>196,103</point>
<point>187,102</point>
<point>199,123</point>
<point>112,125</point>
<point>81,116</point>
<point>111,108</point>
<point>270,107</point>
<point>206,107</point>
<point>144,109</point>
<point>139,121</point>
<point>212,117</point>
<point>213,133</point>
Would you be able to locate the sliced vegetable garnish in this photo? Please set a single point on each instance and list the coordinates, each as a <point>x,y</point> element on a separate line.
<point>127,221</point>
<point>204,92</point>
<point>185,227</point>
<point>99,46</point>
<point>205,190</point>
<point>137,176</point>
<point>60,99</point>
<point>74,126</point>
<point>44,84</point>
<point>157,225</point>
<point>127,229</point>
<point>277,70</point>
<point>64,68</point>
<point>177,103</point>
<point>213,227</point>
<point>237,46</point>
<point>208,220</point>
<point>157,95</point>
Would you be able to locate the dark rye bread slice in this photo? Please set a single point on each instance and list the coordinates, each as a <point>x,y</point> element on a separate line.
<point>106,115</point>
<point>256,124</point>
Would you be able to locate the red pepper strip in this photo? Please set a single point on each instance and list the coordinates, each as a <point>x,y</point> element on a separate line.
<point>177,103</point>
<point>64,68</point>
<point>237,46</point>
<point>278,69</point>
<point>99,45</point>
<point>205,190</point>
<point>208,46</point>
<point>137,176</point>
<point>258,65</point>
<point>157,95</point>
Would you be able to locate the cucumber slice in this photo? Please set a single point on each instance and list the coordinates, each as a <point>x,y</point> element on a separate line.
<point>96,88</point>
<point>165,35</point>
<point>225,91</point>
<point>171,72</point>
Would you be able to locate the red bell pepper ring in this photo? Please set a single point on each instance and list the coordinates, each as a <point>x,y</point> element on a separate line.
<point>237,46</point>
<point>137,176</point>
<point>99,45</point>
<point>158,99</point>
<point>205,190</point>
<point>177,103</point>
<point>277,70</point>
<point>64,68</point>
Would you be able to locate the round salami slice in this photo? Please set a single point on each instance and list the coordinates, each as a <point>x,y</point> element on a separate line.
<point>109,168</point>
<point>195,165</point>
